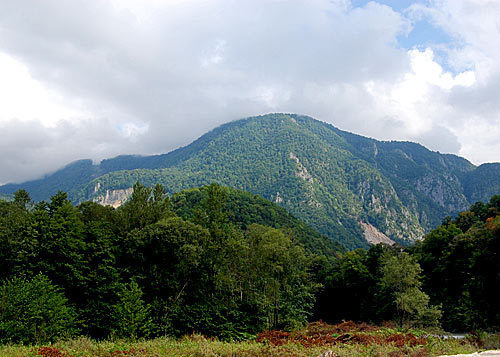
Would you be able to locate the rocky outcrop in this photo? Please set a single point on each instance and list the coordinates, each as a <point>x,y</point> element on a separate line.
<point>373,235</point>
<point>443,191</point>
<point>301,169</point>
<point>114,198</point>
<point>307,177</point>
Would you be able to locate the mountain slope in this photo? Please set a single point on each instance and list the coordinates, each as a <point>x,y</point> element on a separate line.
<point>482,182</point>
<point>346,186</point>
<point>316,178</point>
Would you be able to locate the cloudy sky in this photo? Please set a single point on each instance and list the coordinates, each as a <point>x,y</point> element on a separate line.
<point>98,78</point>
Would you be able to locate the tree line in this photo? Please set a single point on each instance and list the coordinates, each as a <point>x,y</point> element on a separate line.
<point>228,264</point>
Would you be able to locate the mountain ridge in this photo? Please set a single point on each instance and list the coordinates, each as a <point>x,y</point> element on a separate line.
<point>342,184</point>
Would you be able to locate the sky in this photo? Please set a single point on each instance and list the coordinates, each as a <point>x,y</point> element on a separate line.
<point>99,78</point>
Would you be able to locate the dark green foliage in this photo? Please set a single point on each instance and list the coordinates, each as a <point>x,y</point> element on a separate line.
<point>352,288</point>
<point>228,263</point>
<point>244,209</point>
<point>146,206</point>
<point>34,311</point>
<point>205,271</point>
<point>461,267</point>
<point>101,275</point>
<point>166,258</point>
<point>22,199</point>
<point>458,272</point>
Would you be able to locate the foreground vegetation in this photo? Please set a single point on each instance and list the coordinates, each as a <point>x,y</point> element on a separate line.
<point>345,339</point>
<point>227,264</point>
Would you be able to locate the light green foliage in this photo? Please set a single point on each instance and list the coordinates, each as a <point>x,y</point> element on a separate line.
<point>329,178</point>
<point>34,311</point>
<point>277,278</point>
<point>401,276</point>
<point>131,315</point>
<point>146,206</point>
<point>243,209</point>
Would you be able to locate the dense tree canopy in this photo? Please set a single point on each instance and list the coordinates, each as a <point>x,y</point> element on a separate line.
<point>143,270</point>
<point>227,263</point>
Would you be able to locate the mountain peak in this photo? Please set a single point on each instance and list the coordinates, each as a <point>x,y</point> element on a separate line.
<point>348,187</point>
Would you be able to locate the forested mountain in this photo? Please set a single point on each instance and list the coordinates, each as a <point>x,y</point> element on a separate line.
<point>351,188</point>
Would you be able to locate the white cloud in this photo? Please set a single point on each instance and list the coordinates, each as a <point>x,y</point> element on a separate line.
<point>157,74</point>
<point>418,100</point>
<point>26,98</point>
<point>473,113</point>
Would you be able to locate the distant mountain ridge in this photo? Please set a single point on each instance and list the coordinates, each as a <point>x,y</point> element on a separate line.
<point>351,188</point>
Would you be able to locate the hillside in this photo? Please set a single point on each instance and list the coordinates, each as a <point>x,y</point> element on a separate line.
<point>244,209</point>
<point>351,188</point>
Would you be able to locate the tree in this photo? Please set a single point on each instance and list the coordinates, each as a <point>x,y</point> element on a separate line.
<point>34,311</point>
<point>147,205</point>
<point>131,314</point>
<point>55,231</point>
<point>401,278</point>
<point>277,278</point>
<point>348,286</point>
<point>166,259</point>
<point>22,199</point>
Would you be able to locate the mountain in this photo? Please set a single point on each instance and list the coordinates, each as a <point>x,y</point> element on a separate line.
<point>5,197</point>
<point>351,188</point>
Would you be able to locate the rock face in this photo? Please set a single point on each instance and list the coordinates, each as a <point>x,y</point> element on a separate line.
<point>113,198</point>
<point>301,170</point>
<point>441,191</point>
<point>374,236</point>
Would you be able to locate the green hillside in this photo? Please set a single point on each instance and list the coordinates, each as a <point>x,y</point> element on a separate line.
<point>482,182</point>
<point>295,162</point>
<point>346,186</point>
<point>244,209</point>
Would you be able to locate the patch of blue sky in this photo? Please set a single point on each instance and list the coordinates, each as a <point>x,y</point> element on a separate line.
<point>424,34</point>
<point>396,5</point>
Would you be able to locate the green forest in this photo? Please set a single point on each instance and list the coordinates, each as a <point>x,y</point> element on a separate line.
<point>228,264</point>
<point>335,181</point>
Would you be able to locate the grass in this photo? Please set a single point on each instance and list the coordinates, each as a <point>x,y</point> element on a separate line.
<point>347,339</point>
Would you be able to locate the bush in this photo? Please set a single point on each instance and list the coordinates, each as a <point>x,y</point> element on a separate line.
<point>131,315</point>
<point>34,311</point>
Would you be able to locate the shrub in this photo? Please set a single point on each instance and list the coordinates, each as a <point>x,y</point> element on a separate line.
<point>34,311</point>
<point>131,315</point>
